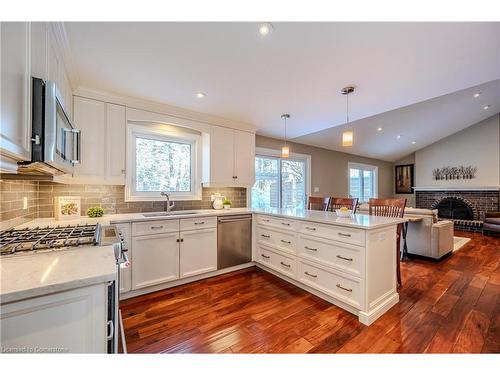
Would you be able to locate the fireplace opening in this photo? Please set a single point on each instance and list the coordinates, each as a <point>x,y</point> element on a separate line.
<point>454,208</point>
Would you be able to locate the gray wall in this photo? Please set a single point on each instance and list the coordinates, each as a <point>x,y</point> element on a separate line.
<point>477,145</point>
<point>329,168</point>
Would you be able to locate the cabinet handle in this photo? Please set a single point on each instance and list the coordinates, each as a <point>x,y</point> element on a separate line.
<point>180,240</point>
<point>310,248</point>
<point>341,257</point>
<point>286,265</point>
<point>284,241</point>
<point>265,256</point>
<point>310,228</point>
<point>157,227</point>
<point>266,220</point>
<point>265,235</point>
<point>310,274</point>
<point>287,224</point>
<point>235,177</point>
<point>346,289</point>
<point>111,330</point>
<point>199,223</point>
<point>344,234</point>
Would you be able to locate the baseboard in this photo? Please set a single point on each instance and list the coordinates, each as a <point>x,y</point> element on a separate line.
<point>170,284</point>
<point>378,311</point>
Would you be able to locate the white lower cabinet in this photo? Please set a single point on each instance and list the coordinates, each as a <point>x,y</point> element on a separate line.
<point>161,252</point>
<point>155,259</point>
<point>198,252</point>
<point>345,288</point>
<point>349,266</point>
<point>68,322</point>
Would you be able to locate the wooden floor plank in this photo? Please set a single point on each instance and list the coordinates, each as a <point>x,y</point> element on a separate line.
<point>445,307</point>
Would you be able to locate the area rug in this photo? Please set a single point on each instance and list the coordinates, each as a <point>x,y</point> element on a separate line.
<point>458,242</point>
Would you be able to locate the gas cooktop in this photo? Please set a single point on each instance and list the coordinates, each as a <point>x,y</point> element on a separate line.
<point>47,238</point>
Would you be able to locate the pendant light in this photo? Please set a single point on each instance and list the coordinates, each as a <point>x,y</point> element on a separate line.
<point>285,150</point>
<point>348,135</point>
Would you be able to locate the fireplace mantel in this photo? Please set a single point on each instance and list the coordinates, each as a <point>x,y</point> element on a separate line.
<point>456,188</point>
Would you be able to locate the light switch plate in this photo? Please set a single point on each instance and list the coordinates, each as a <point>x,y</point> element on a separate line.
<point>316,189</point>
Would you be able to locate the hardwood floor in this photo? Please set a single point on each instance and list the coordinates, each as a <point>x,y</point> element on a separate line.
<point>447,307</point>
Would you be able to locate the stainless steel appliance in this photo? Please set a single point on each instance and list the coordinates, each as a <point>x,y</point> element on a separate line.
<point>234,240</point>
<point>56,143</point>
<point>36,240</point>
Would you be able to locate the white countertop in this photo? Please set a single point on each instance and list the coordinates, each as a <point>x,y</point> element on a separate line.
<point>360,221</point>
<point>31,275</point>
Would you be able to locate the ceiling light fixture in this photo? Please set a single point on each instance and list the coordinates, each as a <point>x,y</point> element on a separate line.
<point>413,142</point>
<point>285,150</point>
<point>477,94</point>
<point>348,135</point>
<point>379,129</point>
<point>200,95</point>
<point>398,136</point>
<point>265,29</point>
<point>486,107</point>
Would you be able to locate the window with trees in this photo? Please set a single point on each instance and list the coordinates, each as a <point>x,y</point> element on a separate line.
<point>363,181</point>
<point>160,160</point>
<point>280,183</point>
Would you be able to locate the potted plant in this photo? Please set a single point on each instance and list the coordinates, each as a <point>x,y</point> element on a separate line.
<point>227,204</point>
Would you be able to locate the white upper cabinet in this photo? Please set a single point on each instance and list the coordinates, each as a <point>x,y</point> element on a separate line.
<point>232,158</point>
<point>15,135</point>
<point>103,143</point>
<point>90,118</point>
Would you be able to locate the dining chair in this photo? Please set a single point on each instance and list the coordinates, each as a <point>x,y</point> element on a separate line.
<point>350,203</point>
<point>318,203</point>
<point>390,208</point>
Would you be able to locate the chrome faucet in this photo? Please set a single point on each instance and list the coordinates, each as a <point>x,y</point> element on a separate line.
<point>168,206</point>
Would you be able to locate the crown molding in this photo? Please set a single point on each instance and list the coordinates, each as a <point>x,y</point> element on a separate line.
<point>162,108</point>
<point>61,36</point>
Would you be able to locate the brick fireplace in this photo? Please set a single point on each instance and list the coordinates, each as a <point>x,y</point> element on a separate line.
<point>465,208</point>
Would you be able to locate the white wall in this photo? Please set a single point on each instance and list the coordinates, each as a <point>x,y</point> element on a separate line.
<point>478,145</point>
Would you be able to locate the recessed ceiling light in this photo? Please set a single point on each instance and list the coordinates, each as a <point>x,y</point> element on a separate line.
<point>265,29</point>
<point>200,95</point>
<point>487,106</point>
<point>379,129</point>
<point>477,94</point>
<point>398,136</point>
<point>413,142</point>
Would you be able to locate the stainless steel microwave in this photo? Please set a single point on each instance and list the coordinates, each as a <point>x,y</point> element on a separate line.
<point>56,143</point>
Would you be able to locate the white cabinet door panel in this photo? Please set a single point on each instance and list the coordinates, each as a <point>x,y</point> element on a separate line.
<point>115,143</point>
<point>89,117</point>
<point>198,252</point>
<point>222,155</point>
<point>244,158</point>
<point>15,90</point>
<point>155,259</point>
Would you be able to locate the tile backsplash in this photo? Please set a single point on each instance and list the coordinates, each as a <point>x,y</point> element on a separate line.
<point>40,199</point>
<point>13,194</point>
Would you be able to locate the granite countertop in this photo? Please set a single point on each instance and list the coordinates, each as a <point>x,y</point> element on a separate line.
<point>31,275</point>
<point>360,221</point>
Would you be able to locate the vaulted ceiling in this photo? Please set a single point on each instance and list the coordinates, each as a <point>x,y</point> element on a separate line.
<point>412,79</point>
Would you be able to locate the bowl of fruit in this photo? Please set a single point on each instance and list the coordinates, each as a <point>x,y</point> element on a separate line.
<point>343,212</point>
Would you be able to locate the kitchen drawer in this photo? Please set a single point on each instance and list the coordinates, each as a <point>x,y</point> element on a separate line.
<point>287,265</point>
<point>338,233</point>
<point>282,240</point>
<point>342,287</point>
<point>154,227</point>
<point>345,257</point>
<point>198,223</point>
<point>277,222</point>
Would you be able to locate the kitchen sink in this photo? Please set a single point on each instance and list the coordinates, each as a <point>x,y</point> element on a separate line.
<point>171,213</point>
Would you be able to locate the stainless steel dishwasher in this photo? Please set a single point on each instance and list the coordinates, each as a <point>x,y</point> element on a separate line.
<point>234,240</point>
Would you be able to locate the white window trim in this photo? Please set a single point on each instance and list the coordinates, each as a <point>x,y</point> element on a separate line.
<point>261,151</point>
<point>167,132</point>
<point>367,167</point>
